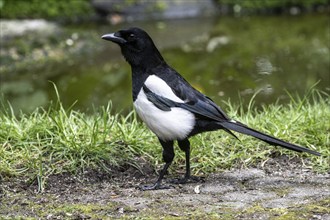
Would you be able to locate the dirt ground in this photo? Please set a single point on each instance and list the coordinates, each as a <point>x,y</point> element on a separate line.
<point>276,189</point>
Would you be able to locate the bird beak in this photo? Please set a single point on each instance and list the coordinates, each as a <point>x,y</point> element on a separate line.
<point>114,37</point>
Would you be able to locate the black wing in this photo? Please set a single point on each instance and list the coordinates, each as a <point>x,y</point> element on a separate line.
<point>194,100</point>
<point>199,108</point>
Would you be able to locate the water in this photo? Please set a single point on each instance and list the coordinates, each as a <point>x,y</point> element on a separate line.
<point>224,57</point>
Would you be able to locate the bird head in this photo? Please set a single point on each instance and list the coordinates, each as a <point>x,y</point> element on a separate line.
<point>136,46</point>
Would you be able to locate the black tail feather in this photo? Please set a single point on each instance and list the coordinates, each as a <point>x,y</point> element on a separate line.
<point>241,128</point>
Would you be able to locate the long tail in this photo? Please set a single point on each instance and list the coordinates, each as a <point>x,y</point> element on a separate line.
<point>241,128</point>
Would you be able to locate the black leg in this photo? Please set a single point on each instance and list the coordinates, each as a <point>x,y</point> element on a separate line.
<point>168,155</point>
<point>185,146</point>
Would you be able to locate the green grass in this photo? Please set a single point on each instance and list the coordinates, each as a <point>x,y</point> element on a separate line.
<point>48,9</point>
<point>57,140</point>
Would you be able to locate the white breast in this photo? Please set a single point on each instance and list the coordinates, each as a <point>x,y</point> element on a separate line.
<point>167,125</point>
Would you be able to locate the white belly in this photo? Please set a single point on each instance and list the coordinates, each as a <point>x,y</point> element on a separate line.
<point>167,125</point>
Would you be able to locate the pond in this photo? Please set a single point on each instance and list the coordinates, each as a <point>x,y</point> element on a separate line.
<point>227,58</point>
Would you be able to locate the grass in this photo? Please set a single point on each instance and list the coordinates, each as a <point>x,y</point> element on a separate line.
<point>57,140</point>
<point>48,9</point>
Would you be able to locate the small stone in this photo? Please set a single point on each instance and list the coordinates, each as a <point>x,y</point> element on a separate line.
<point>197,190</point>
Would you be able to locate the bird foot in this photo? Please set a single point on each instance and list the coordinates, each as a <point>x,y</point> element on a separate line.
<point>187,179</point>
<point>155,186</point>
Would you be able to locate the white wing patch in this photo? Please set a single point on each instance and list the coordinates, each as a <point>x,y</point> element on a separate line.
<point>159,87</point>
<point>167,125</point>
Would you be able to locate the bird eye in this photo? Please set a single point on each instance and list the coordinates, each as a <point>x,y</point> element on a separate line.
<point>131,36</point>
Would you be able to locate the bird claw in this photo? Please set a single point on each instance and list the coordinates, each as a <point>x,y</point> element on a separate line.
<point>155,186</point>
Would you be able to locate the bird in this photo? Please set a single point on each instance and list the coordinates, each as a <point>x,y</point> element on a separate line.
<point>173,109</point>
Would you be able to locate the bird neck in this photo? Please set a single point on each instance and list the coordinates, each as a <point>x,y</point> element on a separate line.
<point>145,66</point>
<point>145,58</point>
<point>146,62</point>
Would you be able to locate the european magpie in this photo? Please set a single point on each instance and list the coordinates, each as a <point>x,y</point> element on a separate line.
<point>170,106</point>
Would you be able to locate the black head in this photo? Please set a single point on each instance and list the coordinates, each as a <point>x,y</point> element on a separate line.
<point>136,46</point>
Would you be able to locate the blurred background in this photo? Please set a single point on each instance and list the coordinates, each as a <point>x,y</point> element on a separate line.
<point>228,49</point>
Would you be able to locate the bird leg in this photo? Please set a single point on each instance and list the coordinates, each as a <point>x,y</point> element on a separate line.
<point>168,155</point>
<point>185,146</point>
<point>158,183</point>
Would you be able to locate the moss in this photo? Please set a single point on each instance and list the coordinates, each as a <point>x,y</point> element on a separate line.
<point>306,211</point>
<point>320,207</point>
<point>93,211</point>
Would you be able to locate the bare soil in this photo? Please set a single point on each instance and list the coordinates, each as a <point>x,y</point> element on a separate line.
<point>276,189</point>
